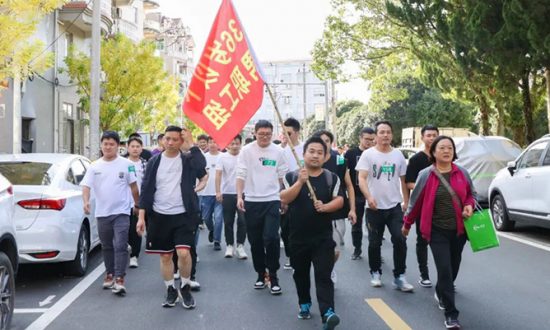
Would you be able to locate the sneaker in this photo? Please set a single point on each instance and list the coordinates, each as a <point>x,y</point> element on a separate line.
<point>330,320</point>
<point>171,297</point>
<point>195,286</point>
<point>134,262</point>
<point>376,280</point>
<point>400,283</point>
<point>439,302</point>
<point>260,282</point>
<point>304,313</point>
<point>281,244</point>
<point>217,246</point>
<point>109,281</point>
<point>118,287</point>
<point>211,236</point>
<point>241,253</point>
<point>187,300</point>
<point>287,264</point>
<point>275,289</point>
<point>228,251</point>
<point>177,275</point>
<point>334,277</point>
<point>356,255</point>
<point>198,259</point>
<point>452,323</point>
<point>425,282</point>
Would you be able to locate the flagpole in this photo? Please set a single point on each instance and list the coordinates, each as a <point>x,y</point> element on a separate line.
<point>309,187</point>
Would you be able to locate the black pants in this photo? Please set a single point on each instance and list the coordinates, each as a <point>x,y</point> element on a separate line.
<point>321,255</point>
<point>133,238</point>
<point>285,232</point>
<point>378,220</point>
<point>229,205</point>
<point>357,228</point>
<point>421,253</point>
<point>262,227</point>
<point>447,249</point>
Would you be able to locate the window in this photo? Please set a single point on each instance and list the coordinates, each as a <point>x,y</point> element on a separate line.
<point>546,161</point>
<point>28,173</point>
<point>68,110</point>
<point>76,172</point>
<point>532,156</point>
<point>68,42</point>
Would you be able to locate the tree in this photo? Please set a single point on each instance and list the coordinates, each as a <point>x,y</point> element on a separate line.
<point>18,53</point>
<point>137,92</point>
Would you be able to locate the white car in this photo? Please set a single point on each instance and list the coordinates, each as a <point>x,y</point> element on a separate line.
<point>8,253</point>
<point>521,191</point>
<point>50,221</point>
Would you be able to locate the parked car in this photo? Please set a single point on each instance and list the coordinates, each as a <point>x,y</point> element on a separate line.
<point>408,152</point>
<point>50,221</point>
<point>521,191</point>
<point>8,253</point>
<point>483,157</point>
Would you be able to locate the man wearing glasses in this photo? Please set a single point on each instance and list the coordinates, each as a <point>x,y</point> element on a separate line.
<point>366,141</point>
<point>261,167</point>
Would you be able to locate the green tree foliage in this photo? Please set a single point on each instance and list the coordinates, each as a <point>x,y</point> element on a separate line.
<point>137,93</point>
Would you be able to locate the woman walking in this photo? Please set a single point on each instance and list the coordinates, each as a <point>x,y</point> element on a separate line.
<point>443,199</point>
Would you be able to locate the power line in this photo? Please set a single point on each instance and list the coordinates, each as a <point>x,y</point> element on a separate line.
<point>62,34</point>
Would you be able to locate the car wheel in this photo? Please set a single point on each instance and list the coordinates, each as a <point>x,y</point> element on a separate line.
<point>500,214</point>
<point>79,265</point>
<point>7,291</point>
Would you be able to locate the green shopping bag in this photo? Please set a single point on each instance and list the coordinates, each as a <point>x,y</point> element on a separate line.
<point>481,231</point>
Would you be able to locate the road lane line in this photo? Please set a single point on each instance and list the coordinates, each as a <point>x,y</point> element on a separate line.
<point>53,312</point>
<point>30,310</point>
<point>524,241</point>
<point>387,314</point>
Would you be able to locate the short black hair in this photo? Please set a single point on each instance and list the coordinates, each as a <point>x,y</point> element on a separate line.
<point>292,122</point>
<point>366,130</point>
<point>202,137</point>
<point>434,145</point>
<point>324,132</point>
<point>210,138</point>
<point>136,139</point>
<point>248,140</point>
<point>173,128</point>
<point>262,123</point>
<point>315,139</point>
<point>382,122</point>
<point>429,128</point>
<point>160,136</point>
<point>135,134</point>
<point>238,137</point>
<point>110,135</point>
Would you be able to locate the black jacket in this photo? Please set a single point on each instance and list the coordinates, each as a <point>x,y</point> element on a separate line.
<point>193,165</point>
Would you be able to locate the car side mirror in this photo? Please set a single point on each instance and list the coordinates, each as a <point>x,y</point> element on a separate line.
<point>511,167</point>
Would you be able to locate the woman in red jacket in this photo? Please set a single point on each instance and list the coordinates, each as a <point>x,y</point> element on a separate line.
<point>443,198</point>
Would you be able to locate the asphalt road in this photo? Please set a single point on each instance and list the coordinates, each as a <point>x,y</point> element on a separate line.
<point>503,288</point>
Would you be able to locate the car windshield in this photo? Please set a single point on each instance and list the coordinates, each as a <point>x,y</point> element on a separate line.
<point>28,173</point>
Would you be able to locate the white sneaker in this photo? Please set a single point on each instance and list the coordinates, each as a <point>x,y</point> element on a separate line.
<point>195,286</point>
<point>287,264</point>
<point>401,284</point>
<point>229,251</point>
<point>333,277</point>
<point>134,262</point>
<point>241,253</point>
<point>376,280</point>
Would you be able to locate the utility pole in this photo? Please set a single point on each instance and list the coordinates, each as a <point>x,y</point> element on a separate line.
<point>333,106</point>
<point>17,131</point>
<point>326,105</point>
<point>305,101</point>
<point>95,80</point>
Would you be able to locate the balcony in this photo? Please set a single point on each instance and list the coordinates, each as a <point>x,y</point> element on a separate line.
<point>129,29</point>
<point>150,5</point>
<point>118,3</point>
<point>81,13</point>
<point>151,28</point>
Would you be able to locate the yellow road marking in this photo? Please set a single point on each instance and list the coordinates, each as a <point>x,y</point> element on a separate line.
<point>387,314</point>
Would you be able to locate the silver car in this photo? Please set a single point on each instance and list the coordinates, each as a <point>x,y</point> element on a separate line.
<point>50,222</point>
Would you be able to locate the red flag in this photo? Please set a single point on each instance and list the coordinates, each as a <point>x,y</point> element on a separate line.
<point>226,89</point>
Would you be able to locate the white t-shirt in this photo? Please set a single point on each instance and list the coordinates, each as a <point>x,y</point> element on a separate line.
<point>261,169</point>
<point>110,182</point>
<point>384,175</point>
<point>211,166</point>
<point>140,171</point>
<point>227,166</point>
<point>168,199</point>
<point>289,157</point>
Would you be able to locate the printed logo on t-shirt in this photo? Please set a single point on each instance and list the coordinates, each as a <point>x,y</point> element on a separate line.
<point>339,160</point>
<point>268,162</point>
<point>387,169</point>
<point>131,169</point>
<point>121,175</point>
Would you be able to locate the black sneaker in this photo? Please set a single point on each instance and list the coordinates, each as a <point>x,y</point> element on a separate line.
<point>187,299</point>
<point>217,246</point>
<point>425,282</point>
<point>356,254</point>
<point>330,320</point>
<point>171,297</point>
<point>211,236</point>
<point>275,289</point>
<point>260,282</point>
<point>452,323</point>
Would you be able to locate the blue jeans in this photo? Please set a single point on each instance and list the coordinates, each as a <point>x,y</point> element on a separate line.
<point>113,234</point>
<point>212,215</point>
